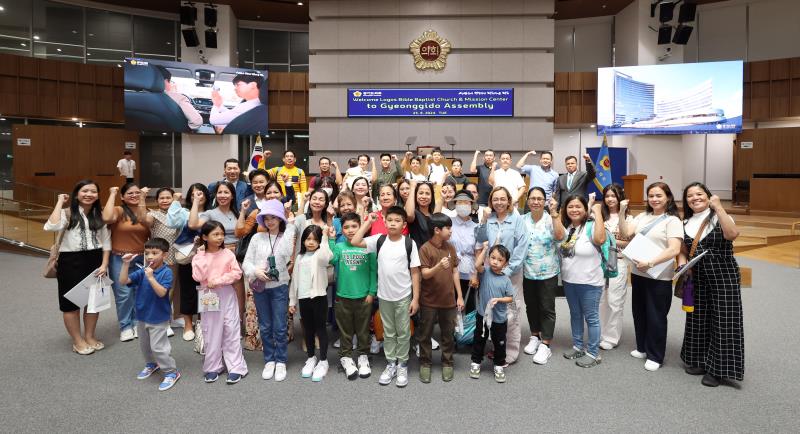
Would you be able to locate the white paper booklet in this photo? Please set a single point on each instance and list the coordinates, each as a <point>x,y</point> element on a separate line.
<point>643,249</point>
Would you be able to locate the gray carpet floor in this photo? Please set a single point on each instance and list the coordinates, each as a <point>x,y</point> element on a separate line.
<point>48,388</point>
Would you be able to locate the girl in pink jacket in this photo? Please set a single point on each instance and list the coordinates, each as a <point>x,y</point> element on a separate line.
<point>215,267</point>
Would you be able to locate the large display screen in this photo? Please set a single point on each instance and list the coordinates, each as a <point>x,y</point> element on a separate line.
<point>687,98</point>
<point>430,102</point>
<point>187,98</point>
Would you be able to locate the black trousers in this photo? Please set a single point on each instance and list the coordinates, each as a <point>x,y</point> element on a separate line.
<point>498,334</point>
<point>651,300</point>
<point>314,316</point>
<point>540,305</point>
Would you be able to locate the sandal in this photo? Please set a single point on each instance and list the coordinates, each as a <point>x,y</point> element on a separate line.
<point>98,346</point>
<point>84,352</point>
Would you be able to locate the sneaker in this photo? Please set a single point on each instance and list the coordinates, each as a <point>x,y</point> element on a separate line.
<point>188,335</point>
<point>447,373</point>
<point>135,332</point>
<point>337,344</point>
<point>280,371</point>
<point>402,375</point>
<point>651,365</point>
<point>574,353</point>
<point>532,346</point>
<point>639,355</point>
<point>349,367</point>
<point>269,371</point>
<point>126,335</point>
<point>542,355</point>
<point>474,371</point>
<point>169,381</point>
<point>499,374</point>
<point>364,371</point>
<point>308,368</point>
<point>374,345</point>
<point>588,361</point>
<point>147,371</point>
<point>424,374</point>
<point>234,378</point>
<point>170,333</point>
<point>320,371</point>
<point>434,344</point>
<point>210,377</point>
<point>606,345</point>
<point>387,374</point>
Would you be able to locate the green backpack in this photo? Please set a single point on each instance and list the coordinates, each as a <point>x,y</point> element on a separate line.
<point>608,252</point>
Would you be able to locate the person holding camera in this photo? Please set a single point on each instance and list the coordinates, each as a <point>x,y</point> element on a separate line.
<point>264,267</point>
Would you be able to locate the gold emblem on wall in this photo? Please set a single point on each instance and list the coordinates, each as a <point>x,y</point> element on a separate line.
<point>430,51</point>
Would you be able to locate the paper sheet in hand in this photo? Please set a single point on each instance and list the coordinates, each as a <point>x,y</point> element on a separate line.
<point>688,266</point>
<point>643,249</point>
<point>79,294</point>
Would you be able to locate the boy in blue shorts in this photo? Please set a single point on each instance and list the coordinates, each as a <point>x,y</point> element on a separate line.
<point>153,310</point>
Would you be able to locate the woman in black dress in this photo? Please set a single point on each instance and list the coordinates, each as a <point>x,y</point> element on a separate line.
<point>713,342</point>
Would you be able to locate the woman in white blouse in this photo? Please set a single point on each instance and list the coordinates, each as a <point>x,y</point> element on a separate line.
<point>652,296</point>
<point>84,249</point>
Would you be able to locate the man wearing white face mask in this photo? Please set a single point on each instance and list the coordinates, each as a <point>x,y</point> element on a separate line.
<point>463,240</point>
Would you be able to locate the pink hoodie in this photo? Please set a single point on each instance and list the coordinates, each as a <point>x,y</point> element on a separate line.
<point>216,269</point>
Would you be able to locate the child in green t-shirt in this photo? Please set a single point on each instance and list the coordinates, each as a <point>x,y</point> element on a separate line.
<point>356,286</point>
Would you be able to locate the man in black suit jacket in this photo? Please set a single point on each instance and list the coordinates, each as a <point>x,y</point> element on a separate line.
<point>574,181</point>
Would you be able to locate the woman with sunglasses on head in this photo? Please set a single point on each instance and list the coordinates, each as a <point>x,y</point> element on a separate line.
<point>713,340</point>
<point>128,235</point>
<point>652,296</point>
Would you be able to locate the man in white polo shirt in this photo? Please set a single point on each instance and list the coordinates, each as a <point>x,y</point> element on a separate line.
<point>505,176</point>
<point>126,166</point>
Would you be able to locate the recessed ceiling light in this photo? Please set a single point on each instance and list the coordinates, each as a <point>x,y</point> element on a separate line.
<point>74,32</point>
<point>2,119</point>
<point>604,6</point>
<point>592,126</point>
<point>169,43</point>
<point>88,54</point>
<point>23,44</point>
<point>74,119</point>
<point>2,8</point>
<point>58,49</point>
<point>91,34</point>
<point>36,37</point>
<point>119,66</point>
<point>299,3</point>
<point>163,134</point>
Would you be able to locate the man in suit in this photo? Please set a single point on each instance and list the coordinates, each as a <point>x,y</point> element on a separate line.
<point>231,174</point>
<point>574,181</point>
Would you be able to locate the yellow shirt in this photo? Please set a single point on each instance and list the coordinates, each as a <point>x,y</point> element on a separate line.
<point>295,173</point>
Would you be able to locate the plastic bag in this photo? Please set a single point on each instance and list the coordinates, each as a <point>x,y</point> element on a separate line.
<point>468,330</point>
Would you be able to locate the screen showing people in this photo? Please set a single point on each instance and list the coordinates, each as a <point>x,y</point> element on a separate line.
<point>187,98</point>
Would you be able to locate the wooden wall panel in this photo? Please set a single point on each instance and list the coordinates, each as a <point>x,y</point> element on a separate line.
<point>775,151</point>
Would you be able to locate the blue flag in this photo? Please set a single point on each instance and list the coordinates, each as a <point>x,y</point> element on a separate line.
<point>603,167</point>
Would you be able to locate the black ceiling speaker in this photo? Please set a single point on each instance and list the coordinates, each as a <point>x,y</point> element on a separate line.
<point>210,16</point>
<point>682,33</point>
<point>664,34</point>
<point>211,38</point>
<point>188,15</point>
<point>687,12</point>
<point>190,37</point>
<point>665,12</point>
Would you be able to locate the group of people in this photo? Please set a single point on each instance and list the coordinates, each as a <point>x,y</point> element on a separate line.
<point>388,253</point>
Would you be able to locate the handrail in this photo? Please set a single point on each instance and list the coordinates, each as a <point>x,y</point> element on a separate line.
<point>31,186</point>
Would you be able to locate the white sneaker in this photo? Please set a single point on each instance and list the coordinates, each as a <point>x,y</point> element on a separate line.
<point>349,367</point>
<point>336,344</point>
<point>542,355</point>
<point>402,375</point>
<point>434,344</point>
<point>364,371</point>
<point>320,371</point>
<point>269,371</point>
<point>126,335</point>
<point>308,368</point>
<point>532,345</point>
<point>280,371</point>
<point>606,345</point>
<point>170,332</point>
<point>374,345</point>
<point>651,365</point>
<point>638,355</point>
<point>188,335</point>
<point>388,374</point>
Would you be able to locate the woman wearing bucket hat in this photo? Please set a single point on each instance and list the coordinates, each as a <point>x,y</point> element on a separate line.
<point>463,240</point>
<point>265,268</point>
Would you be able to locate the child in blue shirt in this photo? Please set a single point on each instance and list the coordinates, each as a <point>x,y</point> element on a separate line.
<point>495,292</point>
<point>153,310</point>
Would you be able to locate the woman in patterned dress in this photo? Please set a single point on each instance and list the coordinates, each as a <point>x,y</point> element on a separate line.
<point>713,341</point>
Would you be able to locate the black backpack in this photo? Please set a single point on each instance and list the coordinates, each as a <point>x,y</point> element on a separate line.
<point>382,239</point>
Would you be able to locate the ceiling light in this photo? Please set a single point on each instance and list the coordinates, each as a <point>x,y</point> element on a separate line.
<point>299,3</point>
<point>163,134</point>
<point>592,126</point>
<point>23,44</point>
<point>2,119</point>
<point>74,32</point>
<point>36,37</point>
<point>2,8</point>
<point>119,66</point>
<point>58,49</point>
<point>74,119</point>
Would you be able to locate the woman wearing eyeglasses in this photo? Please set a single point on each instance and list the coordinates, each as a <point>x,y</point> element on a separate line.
<point>128,235</point>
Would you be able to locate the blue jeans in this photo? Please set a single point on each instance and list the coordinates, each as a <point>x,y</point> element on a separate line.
<point>272,306</point>
<point>584,304</point>
<point>124,295</point>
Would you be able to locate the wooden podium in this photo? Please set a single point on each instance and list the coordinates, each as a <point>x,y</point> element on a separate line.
<point>634,188</point>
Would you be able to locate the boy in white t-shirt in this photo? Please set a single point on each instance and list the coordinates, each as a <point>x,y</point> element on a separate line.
<point>437,171</point>
<point>398,290</point>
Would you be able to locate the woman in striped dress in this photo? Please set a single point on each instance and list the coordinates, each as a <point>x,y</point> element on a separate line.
<point>713,341</point>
